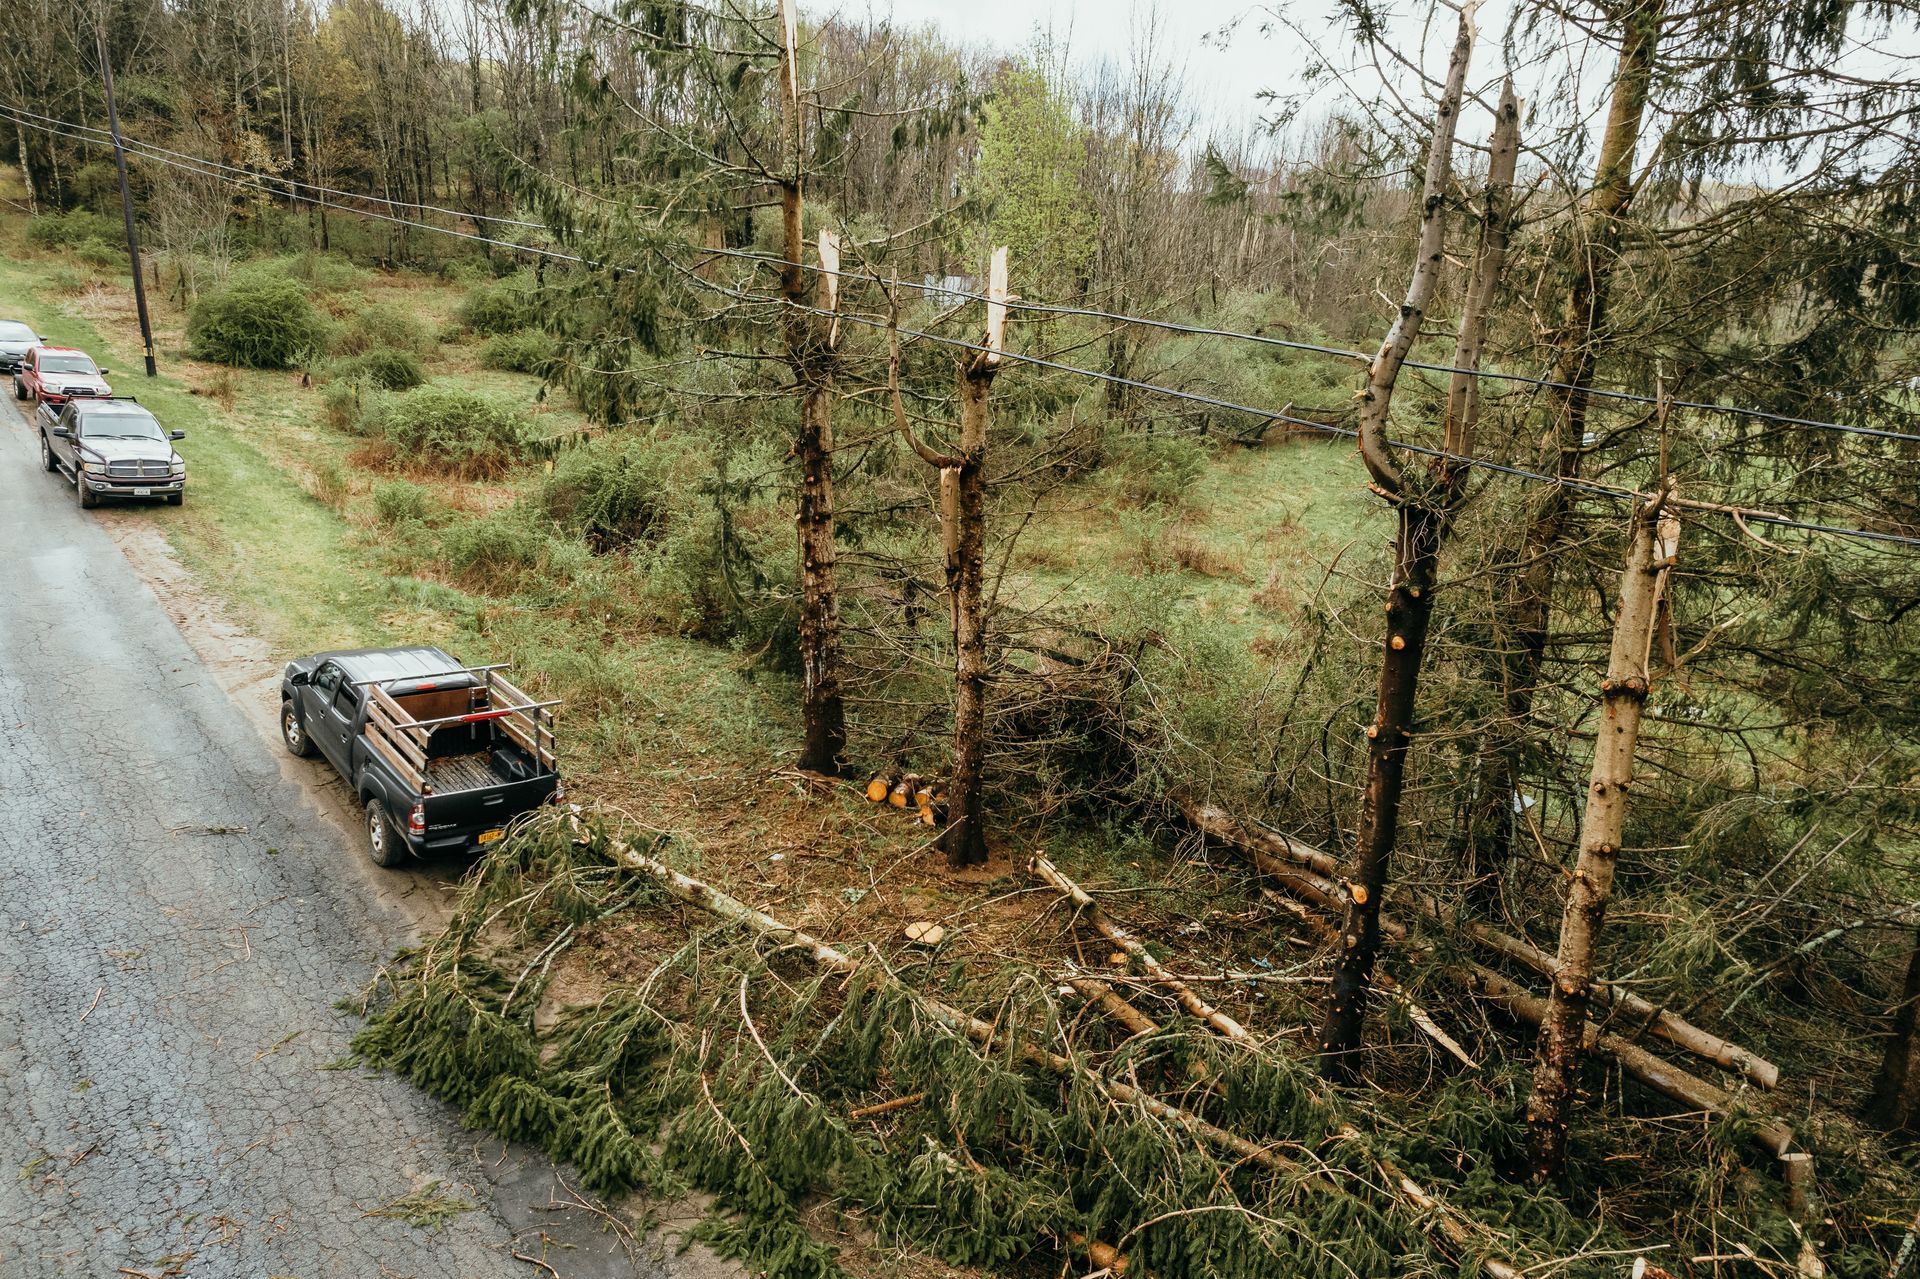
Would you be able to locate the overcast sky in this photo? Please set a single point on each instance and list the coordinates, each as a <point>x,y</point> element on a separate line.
<point>1223,83</point>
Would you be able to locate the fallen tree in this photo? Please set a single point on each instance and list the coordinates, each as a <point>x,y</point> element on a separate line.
<point>1280,858</point>
<point>1301,879</point>
<point>723,906</point>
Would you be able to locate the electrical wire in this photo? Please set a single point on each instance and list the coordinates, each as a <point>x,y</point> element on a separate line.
<point>1019,304</point>
<point>208,169</point>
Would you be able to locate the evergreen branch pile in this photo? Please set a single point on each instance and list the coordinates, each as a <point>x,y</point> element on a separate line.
<point>734,1069</point>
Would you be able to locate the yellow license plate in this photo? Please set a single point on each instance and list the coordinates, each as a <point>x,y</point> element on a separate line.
<point>488,836</point>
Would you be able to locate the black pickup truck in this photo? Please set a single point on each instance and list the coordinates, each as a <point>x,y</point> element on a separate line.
<point>441,756</point>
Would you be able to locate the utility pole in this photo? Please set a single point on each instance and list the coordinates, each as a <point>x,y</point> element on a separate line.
<point>126,199</point>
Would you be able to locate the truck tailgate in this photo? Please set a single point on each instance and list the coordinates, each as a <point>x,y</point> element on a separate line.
<point>486,807</point>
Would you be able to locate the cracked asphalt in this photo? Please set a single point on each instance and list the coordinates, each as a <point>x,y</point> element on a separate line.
<point>180,914</point>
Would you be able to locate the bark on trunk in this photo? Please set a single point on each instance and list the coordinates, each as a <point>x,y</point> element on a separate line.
<point>1523,616</point>
<point>1623,695</point>
<point>823,713</point>
<point>1409,607</point>
<point>26,170</point>
<point>1895,1104</point>
<point>965,839</point>
<point>1421,523</point>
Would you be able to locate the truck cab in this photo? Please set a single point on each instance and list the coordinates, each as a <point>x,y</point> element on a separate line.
<point>440,756</point>
<point>55,374</point>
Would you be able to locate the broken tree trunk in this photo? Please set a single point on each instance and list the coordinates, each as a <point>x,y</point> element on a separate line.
<point>963,526</point>
<point>965,840</point>
<point>1309,874</point>
<point>1422,514</point>
<point>810,353</point>
<point>1049,874</point>
<point>1895,1104</point>
<point>1523,613</point>
<point>1623,695</point>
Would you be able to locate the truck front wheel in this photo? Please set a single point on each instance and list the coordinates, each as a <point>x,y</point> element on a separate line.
<point>293,732</point>
<point>384,843</point>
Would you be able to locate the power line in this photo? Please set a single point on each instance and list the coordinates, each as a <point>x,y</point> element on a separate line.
<point>1267,415</point>
<point>1045,308</point>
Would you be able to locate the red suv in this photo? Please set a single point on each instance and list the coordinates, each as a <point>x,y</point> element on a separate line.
<point>55,374</point>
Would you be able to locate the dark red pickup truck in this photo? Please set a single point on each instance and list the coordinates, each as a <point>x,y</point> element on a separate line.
<point>55,374</point>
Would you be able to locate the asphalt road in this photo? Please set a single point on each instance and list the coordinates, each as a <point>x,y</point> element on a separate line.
<point>179,915</point>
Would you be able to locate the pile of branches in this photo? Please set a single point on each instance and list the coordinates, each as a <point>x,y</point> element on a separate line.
<point>775,1072</point>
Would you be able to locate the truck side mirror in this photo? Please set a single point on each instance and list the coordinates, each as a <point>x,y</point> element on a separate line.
<point>61,432</point>
<point>104,372</point>
<point>300,679</point>
<point>176,435</point>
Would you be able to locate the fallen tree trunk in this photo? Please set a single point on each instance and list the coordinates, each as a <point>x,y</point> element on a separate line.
<point>1050,874</point>
<point>1281,858</point>
<point>1654,1071</point>
<point>732,909</point>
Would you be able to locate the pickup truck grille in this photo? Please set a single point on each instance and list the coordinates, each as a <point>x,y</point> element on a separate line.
<point>78,390</point>
<point>139,470</point>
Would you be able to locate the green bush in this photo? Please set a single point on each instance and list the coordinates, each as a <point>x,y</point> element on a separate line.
<point>497,308</point>
<point>471,434</point>
<point>383,325</point>
<point>1157,469</point>
<point>502,553</point>
<point>358,407</point>
<point>324,272</point>
<point>522,351</point>
<point>99,254</point>
<point>403,502</point>
<point>388,368</point>
<point>258,321</point>
<point>610,498</point>
<point>64,230</point>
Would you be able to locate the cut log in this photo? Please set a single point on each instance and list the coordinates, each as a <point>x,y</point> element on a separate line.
<point>1280,859</point>
<point>1103,997</point>
<point>878,788</point>
<point>1050,874</point>
<point>723,906</point>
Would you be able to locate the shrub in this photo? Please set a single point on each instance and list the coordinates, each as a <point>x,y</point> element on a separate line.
<point>63,230</point>
<point>1153,470</point>
<point>258,321</point>
<point>497,308</point>
<point>385,367</point>
<point>383,325</point>
<point>354,406</point>
<point>472,434</point>
<point>609,498</point>
<point>402,502</point>
<point>100,255</point>
<point>500,553</point>
<point>522,351</point>
<point>325,272</point>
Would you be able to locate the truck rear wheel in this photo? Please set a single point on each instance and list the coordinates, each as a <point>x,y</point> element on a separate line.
<point>384,843</point>
<point>293,732</point>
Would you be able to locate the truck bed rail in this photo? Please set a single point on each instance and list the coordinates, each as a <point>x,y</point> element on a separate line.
<point>401,740</point>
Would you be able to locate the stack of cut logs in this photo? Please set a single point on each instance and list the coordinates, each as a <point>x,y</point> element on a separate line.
<point>924,796</point>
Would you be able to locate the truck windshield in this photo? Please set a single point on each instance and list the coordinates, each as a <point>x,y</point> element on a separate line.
<point>14,333</point>
<point>120,426</point>
<point>66,364</point>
